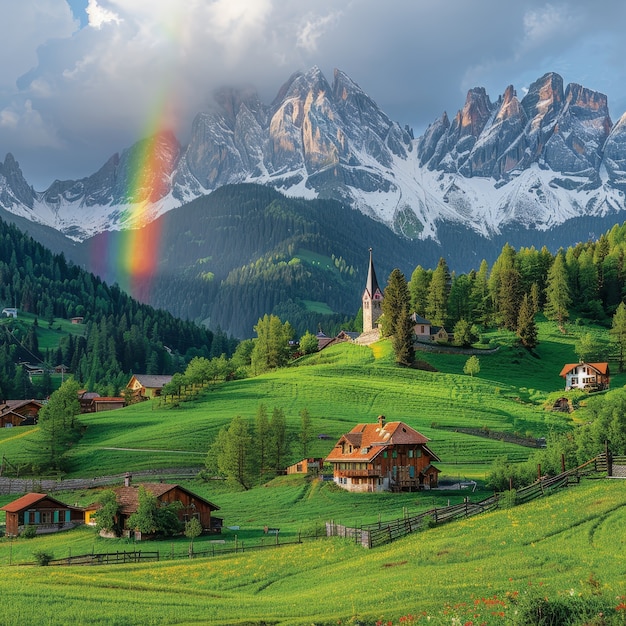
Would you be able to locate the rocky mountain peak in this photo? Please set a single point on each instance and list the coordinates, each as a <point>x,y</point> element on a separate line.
<point>540,160</point>
<point>13,186</point>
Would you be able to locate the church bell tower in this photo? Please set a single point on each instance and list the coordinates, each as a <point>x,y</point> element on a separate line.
<point>372,299</point>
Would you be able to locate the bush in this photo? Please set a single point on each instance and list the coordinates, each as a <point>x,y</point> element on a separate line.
<point>508,499</point>
<point>428,521</point>
<point>29,531</point>
<point>43,558</point>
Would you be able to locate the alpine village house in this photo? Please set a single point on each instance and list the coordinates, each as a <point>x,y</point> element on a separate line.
<point>383,457</point>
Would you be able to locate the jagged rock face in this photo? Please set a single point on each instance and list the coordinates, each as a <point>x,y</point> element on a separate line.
<point>500,146</point>
<point>537,161</point>
<point>615,154</point>
<point>13,187</point>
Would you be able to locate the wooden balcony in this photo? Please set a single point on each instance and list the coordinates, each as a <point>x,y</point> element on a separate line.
<point>356,473</point>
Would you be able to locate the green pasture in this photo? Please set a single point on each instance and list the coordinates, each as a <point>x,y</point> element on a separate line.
<point>297,505</point>
<point>566,550</point>
<point>341,386</point>
<point>48,335</point>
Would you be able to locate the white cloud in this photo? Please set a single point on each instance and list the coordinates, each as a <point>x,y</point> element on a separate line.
<point>92,89</point>
<point>98,15</point>
<point>549,23</point>
<point>313,28</point>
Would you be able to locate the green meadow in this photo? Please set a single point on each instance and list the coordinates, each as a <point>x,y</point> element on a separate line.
<point>563,554</point>
<point>493,568</point>
<point>341,386</point>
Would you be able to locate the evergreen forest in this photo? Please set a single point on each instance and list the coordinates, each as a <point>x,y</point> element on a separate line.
<point>118,335</point>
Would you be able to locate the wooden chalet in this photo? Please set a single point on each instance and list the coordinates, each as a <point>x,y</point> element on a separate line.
<point>107,403</point>
<point>19,412</point>
<point>144,386</point>
<point>383,457</point>
<point>192,504</point>
<point>306,466</point>
<point>92,402</point>
<point>342,337</point>
<point>587,376</point>
<point>44,512</point>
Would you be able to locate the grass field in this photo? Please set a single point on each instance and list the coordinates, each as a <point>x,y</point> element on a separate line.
<point>341,386</point>
<point>566,550</point>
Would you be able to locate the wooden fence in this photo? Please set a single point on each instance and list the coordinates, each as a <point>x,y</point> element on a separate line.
<point>108,558</point>
<point>381,533</point>
<point>9,485</point>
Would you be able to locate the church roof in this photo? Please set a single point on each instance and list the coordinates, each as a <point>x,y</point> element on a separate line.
<point>371,286</point>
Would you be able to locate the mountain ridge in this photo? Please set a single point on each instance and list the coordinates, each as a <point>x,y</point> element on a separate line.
<point>534,162</point>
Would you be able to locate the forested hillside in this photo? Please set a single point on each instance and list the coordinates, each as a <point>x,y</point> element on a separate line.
<point>118,335</point>
<point>246,250</point>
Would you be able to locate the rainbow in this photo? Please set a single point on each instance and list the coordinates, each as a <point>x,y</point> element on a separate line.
<point>130,257</point>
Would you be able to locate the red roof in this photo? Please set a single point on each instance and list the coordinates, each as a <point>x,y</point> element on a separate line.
<point>602,368</point>
<point>28,501</point>
<point>369,440</point>
<point>128,497</point>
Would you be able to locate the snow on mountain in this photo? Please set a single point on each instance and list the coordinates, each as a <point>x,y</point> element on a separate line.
<point>552,156</point>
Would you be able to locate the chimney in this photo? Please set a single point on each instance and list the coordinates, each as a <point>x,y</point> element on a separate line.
<point>381,421</point>
<point>127,478</point>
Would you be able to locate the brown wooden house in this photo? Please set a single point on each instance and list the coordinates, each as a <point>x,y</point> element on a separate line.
<point>144,386</point>
<point>192,504</point>
<point>383,457</point>
<point>44,512</point>
<point>19,412</point>
<point>306,466</point>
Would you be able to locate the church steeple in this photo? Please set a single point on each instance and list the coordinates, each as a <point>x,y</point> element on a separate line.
<point>372,299</point>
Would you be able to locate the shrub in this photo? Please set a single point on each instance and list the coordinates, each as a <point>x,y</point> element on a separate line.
<point>508,499</point>
<point>29,531</point>
<point>428,521</point>
<point>43,558</point>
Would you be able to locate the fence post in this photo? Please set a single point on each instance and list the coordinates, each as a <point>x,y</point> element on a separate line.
<point>609,459</point>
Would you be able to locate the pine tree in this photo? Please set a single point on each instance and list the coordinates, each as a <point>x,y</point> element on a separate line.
<point>418,289</point>
<point>396,319</point>
<point>58,424</point>
<point>558,297</point>
<point>278,442</point>
<point>437,308</point>
<point>618,332</point>
<point>508,299</point>
<point>403,338</point>
<point>526,327</point>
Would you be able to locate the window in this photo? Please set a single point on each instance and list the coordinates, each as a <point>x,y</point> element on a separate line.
<point>394,454</point>
<point>410,454</point>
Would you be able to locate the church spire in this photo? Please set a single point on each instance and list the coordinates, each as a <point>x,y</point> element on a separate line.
<point>372,299</point>
<point>372,282</point>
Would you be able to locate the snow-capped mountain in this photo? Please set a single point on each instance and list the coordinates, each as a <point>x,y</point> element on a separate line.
<point>538,161</point>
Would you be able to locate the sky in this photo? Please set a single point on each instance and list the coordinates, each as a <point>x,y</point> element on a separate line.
<point>83,79</point>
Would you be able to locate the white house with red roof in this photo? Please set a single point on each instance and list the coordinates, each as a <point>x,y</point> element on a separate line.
<point>587,376</point>
<point>385,456</point>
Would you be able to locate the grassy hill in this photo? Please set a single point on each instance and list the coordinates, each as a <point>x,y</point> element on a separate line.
<point>495,568</point>
<point>341,386</point>
<point>556,559</point>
